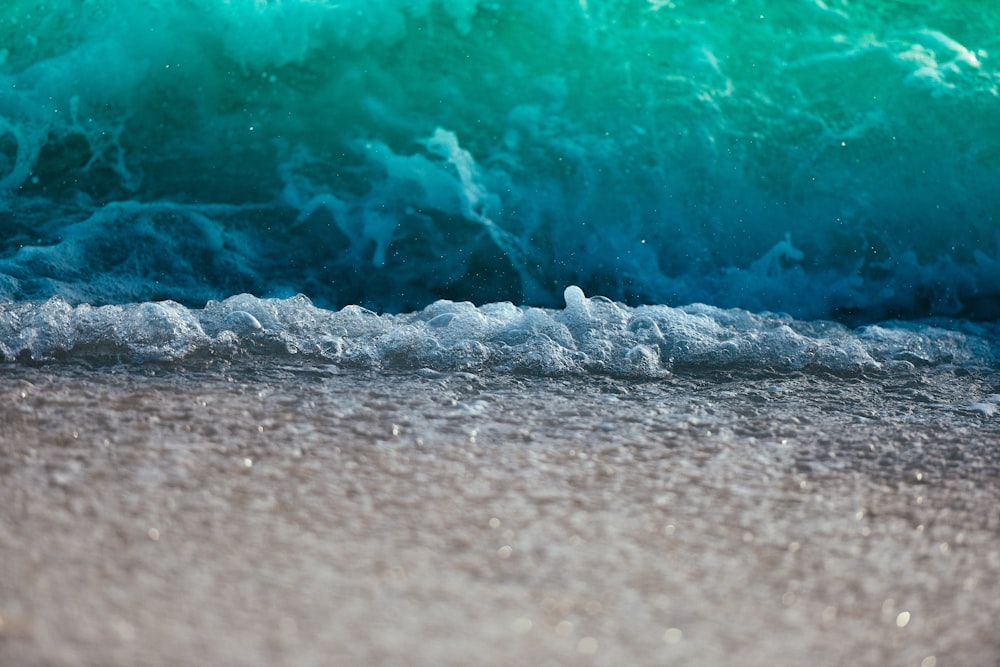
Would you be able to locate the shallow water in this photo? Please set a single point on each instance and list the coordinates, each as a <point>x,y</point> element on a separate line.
<point>300,514</point>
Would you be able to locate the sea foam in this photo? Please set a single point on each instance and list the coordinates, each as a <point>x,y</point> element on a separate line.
<point>588,336</point>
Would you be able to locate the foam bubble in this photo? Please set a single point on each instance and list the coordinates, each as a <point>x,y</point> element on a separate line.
<point>588,336</point>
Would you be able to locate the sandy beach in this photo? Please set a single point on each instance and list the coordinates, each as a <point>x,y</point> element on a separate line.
<point>241,515</point>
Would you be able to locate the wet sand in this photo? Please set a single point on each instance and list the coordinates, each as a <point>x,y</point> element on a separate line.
<point>258,515</point>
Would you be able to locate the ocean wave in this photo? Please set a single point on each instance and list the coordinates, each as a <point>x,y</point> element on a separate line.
<point>822,159</point>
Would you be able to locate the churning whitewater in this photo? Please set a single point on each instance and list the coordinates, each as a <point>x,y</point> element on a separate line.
<point>827,159</point>
<point>588,336</point>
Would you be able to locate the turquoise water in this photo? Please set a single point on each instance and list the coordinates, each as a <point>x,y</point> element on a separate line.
<point>835,160</point>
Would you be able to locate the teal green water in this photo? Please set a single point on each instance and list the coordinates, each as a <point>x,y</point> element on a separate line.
<point>828,159</point>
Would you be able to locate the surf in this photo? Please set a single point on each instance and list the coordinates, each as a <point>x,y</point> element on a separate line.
<point>389,156</point>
